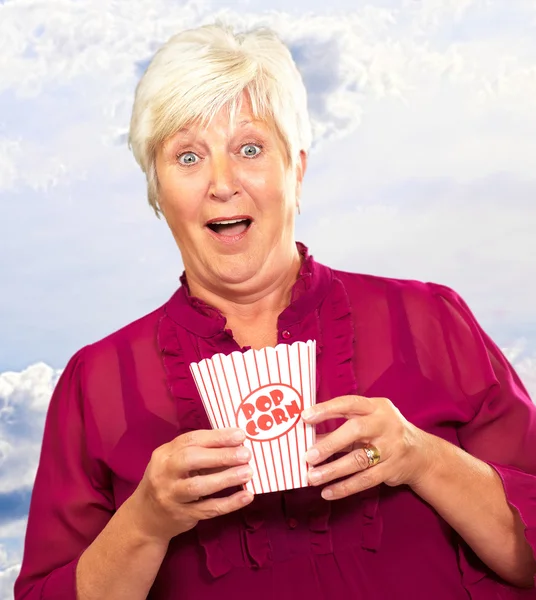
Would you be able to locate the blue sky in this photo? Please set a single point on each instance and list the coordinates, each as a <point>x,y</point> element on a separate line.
<point>423,167</point>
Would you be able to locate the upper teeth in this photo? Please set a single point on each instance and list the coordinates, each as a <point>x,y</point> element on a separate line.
<point>228,222</point>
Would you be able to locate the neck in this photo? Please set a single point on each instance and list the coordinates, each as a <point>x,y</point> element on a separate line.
<point>267,297</point>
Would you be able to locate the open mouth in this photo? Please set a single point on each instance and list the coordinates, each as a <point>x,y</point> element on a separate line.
<point>230,227</point>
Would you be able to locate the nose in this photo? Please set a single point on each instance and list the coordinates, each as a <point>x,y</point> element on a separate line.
<point>223,182</point>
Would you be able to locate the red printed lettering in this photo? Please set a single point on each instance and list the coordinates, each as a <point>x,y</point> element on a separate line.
<point>265,422</point>
<point>277,396</point>
<point>270,412</point>
<point>292,409</point>
<point>279,416</point>
<point>263,403</point>
<point>248,410</point>
<point>251,429</point>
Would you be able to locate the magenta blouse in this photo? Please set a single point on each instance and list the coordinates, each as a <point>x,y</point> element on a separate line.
<point>415,343</point>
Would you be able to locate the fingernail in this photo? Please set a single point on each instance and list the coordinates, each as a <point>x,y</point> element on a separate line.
<point>245,472</point>
<point>246,498</point>
<point>315,476</point>
<point>238,436</point>
<point>242,453</point>
<point>312,455</point>
<point>307,413</point>
<point>327,494</point>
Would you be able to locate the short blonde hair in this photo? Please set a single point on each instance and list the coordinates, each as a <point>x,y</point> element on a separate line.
<point>200,71</point>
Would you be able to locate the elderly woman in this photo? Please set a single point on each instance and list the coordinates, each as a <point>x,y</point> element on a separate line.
<point>423,477</point>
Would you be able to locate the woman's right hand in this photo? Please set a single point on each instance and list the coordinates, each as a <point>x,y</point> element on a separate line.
<point>170,498</point>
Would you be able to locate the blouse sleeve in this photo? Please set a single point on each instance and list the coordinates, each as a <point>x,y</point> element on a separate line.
<point>502,431</point>
<point>71,499</point>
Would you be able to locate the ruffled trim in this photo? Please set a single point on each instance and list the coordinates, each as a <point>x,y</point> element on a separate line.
<point>342,341</point>
<point>174,343</point>
<point>216,560</point>
<point>206,321</point>
<point>190,411</point>
<point>255,535</point>
<point>256,540</point>
<point>191,331</point>
<point>372,520</point>
<point>305,277</point>
<point>338,337</point>
<point>318,513</point>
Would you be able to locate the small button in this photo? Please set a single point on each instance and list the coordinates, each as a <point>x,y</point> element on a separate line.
<point>292,523</point>
<point>286,334</point>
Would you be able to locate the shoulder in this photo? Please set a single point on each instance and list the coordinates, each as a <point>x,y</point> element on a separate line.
<point>421,304</point>
<point>368,285</point>
<point>134,336</point>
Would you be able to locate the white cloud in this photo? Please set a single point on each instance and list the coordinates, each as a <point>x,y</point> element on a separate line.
<point>10,560</point>
<point>8,575</point>
<point>524,363</point>
<point>52,42</point>
<point>403,95</point>
<point>13,530</point>
<point>430,14</point>
<point>24,399</point>
<point>399,97</point>
<point>9,150</point>
<point>94,49</point>
<point>22,163</point>
<point>12,536</point>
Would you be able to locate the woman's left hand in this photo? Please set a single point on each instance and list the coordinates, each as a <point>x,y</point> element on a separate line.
<point>406,452</point>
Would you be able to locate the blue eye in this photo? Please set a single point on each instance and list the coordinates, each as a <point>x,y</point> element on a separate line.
<point>250,150</point>
<point>188,158</point>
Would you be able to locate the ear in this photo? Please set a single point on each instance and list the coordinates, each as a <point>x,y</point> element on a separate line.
<point>301,167</point>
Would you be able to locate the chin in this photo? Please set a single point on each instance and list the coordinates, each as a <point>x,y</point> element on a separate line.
<point>235,270</point>
<point>235,276</point>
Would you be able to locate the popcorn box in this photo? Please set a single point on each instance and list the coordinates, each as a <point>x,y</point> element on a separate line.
<point>264,392</point>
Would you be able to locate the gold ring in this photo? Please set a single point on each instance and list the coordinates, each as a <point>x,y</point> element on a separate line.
<point>373,455</point>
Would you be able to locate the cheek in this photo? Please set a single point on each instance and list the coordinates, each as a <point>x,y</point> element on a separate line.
<point>180,202</point>
<point>269,188</point>
<point>181,218</point>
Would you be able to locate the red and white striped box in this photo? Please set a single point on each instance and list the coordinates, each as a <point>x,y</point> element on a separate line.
<point>264,392</point>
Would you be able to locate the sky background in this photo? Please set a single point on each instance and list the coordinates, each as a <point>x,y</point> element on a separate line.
<point>423,167</point>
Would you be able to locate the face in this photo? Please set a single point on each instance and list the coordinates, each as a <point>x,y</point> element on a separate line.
<point>229,198</point>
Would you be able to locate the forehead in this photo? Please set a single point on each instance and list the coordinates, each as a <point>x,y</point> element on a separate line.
<point>228,121</point>
<point>222,127</point>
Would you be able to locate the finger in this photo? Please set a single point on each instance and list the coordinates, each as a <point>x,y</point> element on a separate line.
<point>337,408</point>
<point>208,471</point>
<point>357,483</point>
<point>210,438</point>
<point>356,431</point>
<point>321,436</point>
<point>196,458</point>
<point>216,507</point>
<point>353,462</point>
<point>193,488</point>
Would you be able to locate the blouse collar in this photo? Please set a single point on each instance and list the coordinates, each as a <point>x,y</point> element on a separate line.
<point>204,320</point>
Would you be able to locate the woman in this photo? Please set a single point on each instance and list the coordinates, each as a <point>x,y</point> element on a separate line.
<point>423,479</point>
